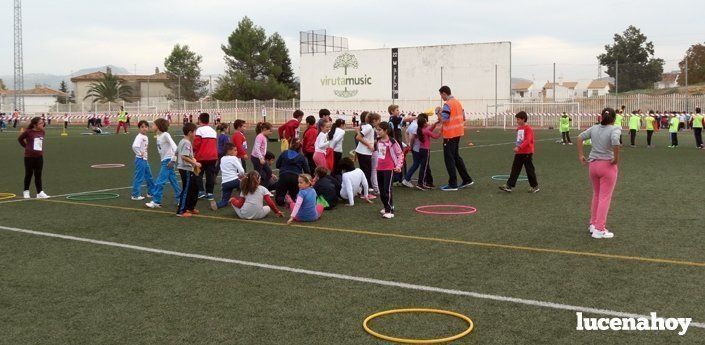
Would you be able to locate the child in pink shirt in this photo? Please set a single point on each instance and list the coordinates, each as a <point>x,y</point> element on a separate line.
<point>259,149</point>
<point>424,134</point>
<point>390,159</point>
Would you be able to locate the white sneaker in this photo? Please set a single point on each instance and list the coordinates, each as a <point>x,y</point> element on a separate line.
<point>592,228</point>
<point>388,215</point>
<point>42,195</point>
<point>602,234</point>
<point>26,195</point>
<point>137,198</point>
<point>382,211</point>
<point>407,183</point>
<point>153,204</point>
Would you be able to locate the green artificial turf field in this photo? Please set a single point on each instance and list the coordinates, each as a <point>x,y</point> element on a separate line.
<point>520,267</point>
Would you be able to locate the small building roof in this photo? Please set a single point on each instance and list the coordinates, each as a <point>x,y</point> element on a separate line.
<point>566,84</point>
<point>670,77</point>
<point>37,91</point>
<point>95,76</point>
<point>522,85</point>
<point>599,84</point>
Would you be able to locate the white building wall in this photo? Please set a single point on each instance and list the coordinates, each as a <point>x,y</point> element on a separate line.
<point>469,70</point>
<point>32,104</point>
<point>154,92</point>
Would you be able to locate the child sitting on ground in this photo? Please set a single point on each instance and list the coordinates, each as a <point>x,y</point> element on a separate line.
<point>252,195</point>
<point>305,208</point>
<point>354,182</point>
<point>327,186</point>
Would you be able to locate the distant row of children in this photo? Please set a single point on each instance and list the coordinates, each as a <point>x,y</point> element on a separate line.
<point>652,122</point>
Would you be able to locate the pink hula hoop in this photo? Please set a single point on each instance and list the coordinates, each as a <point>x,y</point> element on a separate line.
<point>461,210</point>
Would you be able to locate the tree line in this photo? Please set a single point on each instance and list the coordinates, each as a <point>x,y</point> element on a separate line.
<point>258,67</point>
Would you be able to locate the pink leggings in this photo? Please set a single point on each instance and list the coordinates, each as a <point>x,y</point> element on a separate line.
<point>320,160</point>
<point>603,175</point>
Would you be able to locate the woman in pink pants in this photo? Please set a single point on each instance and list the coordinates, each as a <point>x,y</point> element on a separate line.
<point>602,162</point>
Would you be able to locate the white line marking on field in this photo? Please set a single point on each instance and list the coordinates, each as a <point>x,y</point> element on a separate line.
<point>416,287</point>
<point>63,195</point>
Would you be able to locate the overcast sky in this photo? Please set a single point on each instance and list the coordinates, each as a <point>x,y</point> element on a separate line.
<point>65,36</point>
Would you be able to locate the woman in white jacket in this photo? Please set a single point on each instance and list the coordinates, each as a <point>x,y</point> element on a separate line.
<point>336,136</point>
<point>321,146</point>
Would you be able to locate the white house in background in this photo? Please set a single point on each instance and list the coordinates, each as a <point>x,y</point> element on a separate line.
<point>38,100</point>
<point>563,90</point>
<point>599,87</point>
<point>524,90</point>
<point>668,80</point>
<point>145,88</point>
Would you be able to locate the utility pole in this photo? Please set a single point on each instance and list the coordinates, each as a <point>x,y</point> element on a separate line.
<point>19,60</point>
<point>686,71</point>
<point>554,82</point>
<point>687,103</point>
<point>616,84</point>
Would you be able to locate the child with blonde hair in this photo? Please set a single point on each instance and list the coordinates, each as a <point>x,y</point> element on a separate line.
<point>305,208</point>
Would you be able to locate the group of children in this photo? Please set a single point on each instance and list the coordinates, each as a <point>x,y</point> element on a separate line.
<point>675,122</point>
<point>313,174</point>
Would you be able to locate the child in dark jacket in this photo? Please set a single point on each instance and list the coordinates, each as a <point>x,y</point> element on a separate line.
<point>327,186</point>
<point>291,163</point>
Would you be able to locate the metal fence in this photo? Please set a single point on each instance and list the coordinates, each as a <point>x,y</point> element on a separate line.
<point>479,112</point>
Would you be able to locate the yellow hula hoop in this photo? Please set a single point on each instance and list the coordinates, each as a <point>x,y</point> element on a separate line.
<point>7,196</point>
<point>471,325</point>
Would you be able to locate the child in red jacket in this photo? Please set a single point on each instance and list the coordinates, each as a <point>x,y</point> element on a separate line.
<point>524,151</point>
<point>308,144</point>
<point>290,130</point>
<point>205,149</point>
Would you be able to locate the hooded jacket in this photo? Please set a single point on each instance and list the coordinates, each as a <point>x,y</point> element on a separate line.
<point>292,162</point>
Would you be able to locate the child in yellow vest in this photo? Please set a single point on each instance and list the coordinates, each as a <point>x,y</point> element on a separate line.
<point>698,128</point>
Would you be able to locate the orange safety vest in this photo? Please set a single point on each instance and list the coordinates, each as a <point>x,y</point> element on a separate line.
<point>455,126</point>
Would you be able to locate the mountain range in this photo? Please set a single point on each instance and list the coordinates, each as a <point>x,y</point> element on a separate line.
<point>52,80</point>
